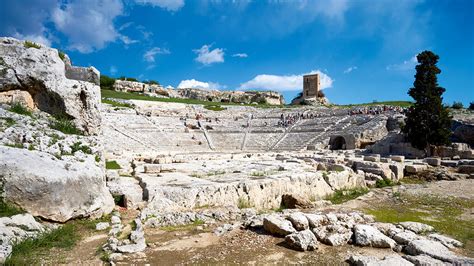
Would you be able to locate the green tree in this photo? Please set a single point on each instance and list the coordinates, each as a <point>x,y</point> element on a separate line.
<point>428,121</point>
<point>457,105</point>
<point>106,82</point>
<point>471,106</point>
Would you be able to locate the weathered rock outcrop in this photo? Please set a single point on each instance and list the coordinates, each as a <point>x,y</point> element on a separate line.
<point>246,97</point>
<point>47,78</point>
<point>53,189</point>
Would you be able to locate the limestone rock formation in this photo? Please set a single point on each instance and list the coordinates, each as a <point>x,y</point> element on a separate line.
<point>373,261</point>
<point>366,235</point>
<point>302,241</point>
<point>276,225</point>
<point>54,86</point>
<point>246,97</point>
<point>53,189</point>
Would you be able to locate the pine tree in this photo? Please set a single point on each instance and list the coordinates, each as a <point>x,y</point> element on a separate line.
<point>428,121</point>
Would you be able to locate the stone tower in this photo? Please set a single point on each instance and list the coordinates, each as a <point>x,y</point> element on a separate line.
<point>311,86</point>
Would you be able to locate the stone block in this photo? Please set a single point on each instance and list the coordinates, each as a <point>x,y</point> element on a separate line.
<point>449,163</point>
<point>466,169</point>
<point>433,161</point>
<point>385,160</point>
<point>152,168</point>
<point>414,169</point>
<point>371,158</point>
<point>398,158</point>
<point>397,170</point>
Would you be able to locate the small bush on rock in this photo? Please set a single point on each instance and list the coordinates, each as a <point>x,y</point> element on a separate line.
<point>61,54</point>
<point>65,125</point>
<point>78,147</point>
<point>20,109</point>
<point>30,44</point>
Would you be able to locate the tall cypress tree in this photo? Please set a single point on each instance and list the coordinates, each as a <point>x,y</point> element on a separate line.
<point>428,121</point>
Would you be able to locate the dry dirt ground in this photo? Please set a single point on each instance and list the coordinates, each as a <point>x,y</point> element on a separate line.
<point>199,245</point>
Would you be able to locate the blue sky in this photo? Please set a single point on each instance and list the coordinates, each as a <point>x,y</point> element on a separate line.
<point>363,49</point>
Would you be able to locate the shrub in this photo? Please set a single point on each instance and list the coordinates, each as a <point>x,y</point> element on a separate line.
<point>471,106</point>
<point>61,54</point>
<point>128,79</point>
<point>30,44</point>
<point>321,94</point>
<point>106,82</point>
<point>243,203</point>
<point>457,105</point>
<point>112,165</point>
<point>384,183</point>
<point>78,147</point>
<point>65,125</point>
<point>20,109</point>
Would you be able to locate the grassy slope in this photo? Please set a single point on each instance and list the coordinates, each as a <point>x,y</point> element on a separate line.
<point>136,96</point>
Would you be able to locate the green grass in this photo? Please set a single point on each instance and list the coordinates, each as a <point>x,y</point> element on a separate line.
<point>30,44</point>
<point>243,203</point>
<point>391,103</point>
<point>112,165</point>
<point>20,109</point>
<point>117,104</point>
<point>184,227</point>
<point>214,107</point>
<point>341,196</point>
<point>136,96</point>
<point>7,210</point>
<point>35,251</point>
<point>412,180</point>
<point>14,145</point>
<point>78,147</point>
<point>443,213</point>
<point>30,251</point>
<point>8,121</point>
<point>65,125</point>
<point>384,183</point>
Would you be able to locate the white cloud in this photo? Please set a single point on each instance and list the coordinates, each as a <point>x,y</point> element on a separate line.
<point>37,38</point>
<point>285,82</point>
<point>405,65</point>
<point>88,24</point>
<point>170,5</point>
<point>113,70</point>
<point>126,40</point>
<point>350,69</point>
<point>208,57</point>
<point>192,83</point>
<point>150,55</point>
<point>241,55</point>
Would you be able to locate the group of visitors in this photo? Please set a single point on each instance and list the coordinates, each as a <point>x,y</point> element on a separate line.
<point>376,110</point>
